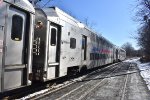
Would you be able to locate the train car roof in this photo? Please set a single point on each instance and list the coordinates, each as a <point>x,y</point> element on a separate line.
<point>23,4</point>
<point>119,48</point>
<point>56,15</point>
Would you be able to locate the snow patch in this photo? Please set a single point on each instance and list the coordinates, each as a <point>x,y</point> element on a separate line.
<point>144,69</point>
<point>133,60</point>
<point>52,88</point>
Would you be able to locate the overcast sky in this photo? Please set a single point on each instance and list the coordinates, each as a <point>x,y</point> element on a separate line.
<point>112,18</point>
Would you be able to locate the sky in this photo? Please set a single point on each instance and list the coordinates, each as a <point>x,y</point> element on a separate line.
<point>113,19</point>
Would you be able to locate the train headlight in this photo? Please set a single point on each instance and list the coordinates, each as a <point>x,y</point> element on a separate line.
<point>39,25</point>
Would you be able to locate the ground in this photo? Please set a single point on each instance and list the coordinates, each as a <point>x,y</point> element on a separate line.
<point>120,81</point>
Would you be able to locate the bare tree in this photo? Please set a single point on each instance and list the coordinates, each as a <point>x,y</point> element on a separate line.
<point>143,38</point>
<point>143,10</point>
<point>89,23</point>
<point>130,51</point>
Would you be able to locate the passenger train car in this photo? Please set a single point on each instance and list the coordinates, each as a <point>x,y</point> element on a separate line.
<point>63,45</point>
<point>44,44</point>
<point>122,54</point>
<point>16,36</point>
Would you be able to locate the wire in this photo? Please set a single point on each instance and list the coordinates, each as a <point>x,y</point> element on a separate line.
<point>46,3</point>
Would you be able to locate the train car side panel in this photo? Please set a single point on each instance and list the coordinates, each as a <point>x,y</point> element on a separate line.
<point>2,47</point>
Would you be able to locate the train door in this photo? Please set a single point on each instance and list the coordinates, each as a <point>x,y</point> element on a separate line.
<point>53,56</point>
<point>15,49</point>
<point>53,44</point>
<point>84,47</point>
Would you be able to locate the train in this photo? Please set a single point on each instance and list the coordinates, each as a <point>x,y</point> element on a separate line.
<point>38,45</point>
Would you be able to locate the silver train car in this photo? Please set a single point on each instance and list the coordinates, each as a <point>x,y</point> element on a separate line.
<point>63,45</point>
<point>16,36</point>
<point>119,54</point>
<point>122,54</point>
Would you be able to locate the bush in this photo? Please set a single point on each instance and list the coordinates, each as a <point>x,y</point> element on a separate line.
<point>144,59</point>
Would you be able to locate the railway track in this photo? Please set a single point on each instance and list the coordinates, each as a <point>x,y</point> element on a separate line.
<point>50,86</point>
<point>99,73</point>
<point>105,80</point>
<point>124,88</point>
<point>95,86</point>
<point>90,84</point>
<point>125,84</point>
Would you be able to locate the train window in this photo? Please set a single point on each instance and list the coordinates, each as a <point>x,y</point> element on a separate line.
<point>99,56</point>
<point>72,43</point>
<point>68,33</point>
<point>16,30</point>
<point>53,37</point>
<point>91,56</point>
<point>103,56</point>
<point>95,56</point>
<point>83,42</point>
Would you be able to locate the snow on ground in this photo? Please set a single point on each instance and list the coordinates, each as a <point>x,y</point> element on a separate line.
<point>144,69</point>
<point>53,87</point>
